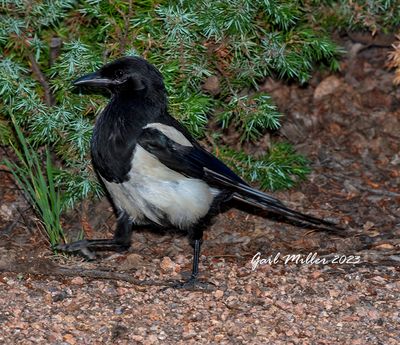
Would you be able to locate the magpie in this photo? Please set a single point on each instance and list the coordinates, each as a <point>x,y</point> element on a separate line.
<point>155,172</point>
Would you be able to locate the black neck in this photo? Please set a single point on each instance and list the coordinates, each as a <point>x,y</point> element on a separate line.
<point>116,131</point>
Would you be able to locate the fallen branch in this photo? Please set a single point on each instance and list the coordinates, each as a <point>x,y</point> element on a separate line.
<point>48,268</point>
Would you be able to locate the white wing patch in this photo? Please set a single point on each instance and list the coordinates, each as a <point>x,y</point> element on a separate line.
<point>170,132</point>
<point>154,191</point>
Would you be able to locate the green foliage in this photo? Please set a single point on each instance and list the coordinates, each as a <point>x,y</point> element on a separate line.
<point>238,42</point>
<point>251,116</point>
<point>5,132</point>
<point>279,168</point>
<point>370,15</point>
<point>38,185</point>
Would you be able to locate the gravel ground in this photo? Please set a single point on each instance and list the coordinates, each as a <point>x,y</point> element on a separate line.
<point>278,304</point>
<point>348,124</point>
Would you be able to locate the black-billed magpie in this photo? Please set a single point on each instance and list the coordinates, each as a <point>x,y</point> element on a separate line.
<point>155,172</point>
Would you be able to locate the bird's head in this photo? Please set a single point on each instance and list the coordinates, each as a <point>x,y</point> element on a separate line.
<point>125,76</point>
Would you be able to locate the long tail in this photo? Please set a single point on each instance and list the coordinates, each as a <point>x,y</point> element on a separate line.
<point>253,197</point>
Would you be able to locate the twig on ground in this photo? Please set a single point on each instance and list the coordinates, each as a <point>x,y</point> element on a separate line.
<point>48,268</point>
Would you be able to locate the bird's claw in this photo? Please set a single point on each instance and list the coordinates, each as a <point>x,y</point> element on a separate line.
<point>80,247</point>
<point>191,284</point>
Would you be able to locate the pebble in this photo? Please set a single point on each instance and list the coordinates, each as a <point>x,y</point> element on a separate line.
<point>78,281</point>
<point>218,294</point>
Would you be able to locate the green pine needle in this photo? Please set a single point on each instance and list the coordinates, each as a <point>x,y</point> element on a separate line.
<point>281,167</point>
<point>251,116</point>
<point>238,42</point>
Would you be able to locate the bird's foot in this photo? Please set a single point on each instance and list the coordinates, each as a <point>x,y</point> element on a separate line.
<point>87,248</point>
<point>191,284</point>
<point>78,247</point>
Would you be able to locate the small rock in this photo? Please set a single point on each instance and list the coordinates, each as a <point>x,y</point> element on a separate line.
<point>132,261</point>
<point>188,335</point>
<point>385,246</point>
<point>141,331</point>
<point>162,335</point>
<point>137,338</point>
<point>69,338</point>
<point>167,265</point>
<point>352,299</point>
<point>119,310</point>
<point>368,225</point>
<point>218,294</point>
<point>334,293</point>
<point>219,337</point>
<point>248,288</point>
<point>59,296</point>
<point>326,87</point>
<point>6,213</point>
<point>77,281</point>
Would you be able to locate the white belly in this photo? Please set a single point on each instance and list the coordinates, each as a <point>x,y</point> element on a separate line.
<point>154,192</point>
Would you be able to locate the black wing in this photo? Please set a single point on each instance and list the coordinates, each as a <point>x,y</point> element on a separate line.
<point>194,161</point>
<point>188,160</point>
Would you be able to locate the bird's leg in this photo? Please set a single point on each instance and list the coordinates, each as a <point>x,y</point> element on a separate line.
<point>120,242</point>
<point>193,282</point>
<point>196,258</point>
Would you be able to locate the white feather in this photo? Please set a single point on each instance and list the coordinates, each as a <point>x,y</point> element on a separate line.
<point>154,191</point>
<point>170,132</point>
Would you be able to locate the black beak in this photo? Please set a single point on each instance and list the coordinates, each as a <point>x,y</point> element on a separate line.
<point>95,80</point>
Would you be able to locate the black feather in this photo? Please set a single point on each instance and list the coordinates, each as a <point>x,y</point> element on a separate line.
<point>189,160</point>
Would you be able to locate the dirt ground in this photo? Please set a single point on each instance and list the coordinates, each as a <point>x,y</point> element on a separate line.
<point>348,125</point>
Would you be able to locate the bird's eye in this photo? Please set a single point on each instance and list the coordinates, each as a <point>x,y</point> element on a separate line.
<point>119,73</point>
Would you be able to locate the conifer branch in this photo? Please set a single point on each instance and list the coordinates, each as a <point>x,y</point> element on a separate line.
<point>253,40</point>
<point>49,98</point>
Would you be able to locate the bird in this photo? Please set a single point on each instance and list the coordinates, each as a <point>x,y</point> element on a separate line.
<point>153,169</point>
